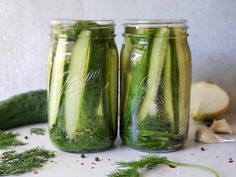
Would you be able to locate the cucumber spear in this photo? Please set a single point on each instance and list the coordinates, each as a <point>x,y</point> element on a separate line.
<point>157,58</point>
<point>125,75</point>
<point>76,81</point>
<point>184,68</point>
<point>57,81</point>
<point>168,97</point>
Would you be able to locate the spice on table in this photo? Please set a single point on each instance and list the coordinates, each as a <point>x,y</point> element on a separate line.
<point>82,156</point>
<point>203,149</point>
<point>82,164</point>
<point>97,159</point>
<point>231,160</point>
<point>26,137</point>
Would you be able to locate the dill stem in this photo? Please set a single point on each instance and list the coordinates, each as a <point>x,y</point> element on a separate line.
<point>201,167</point>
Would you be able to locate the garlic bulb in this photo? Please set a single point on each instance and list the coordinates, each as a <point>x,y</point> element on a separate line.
<point>204,135</point>
<point>208,101</point>
<point>221,126</point>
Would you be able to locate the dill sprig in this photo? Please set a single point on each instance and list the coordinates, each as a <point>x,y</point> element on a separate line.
<point>133,168</point>
<point>8,139</point>
<point>13,163</point>
<point>37,131</point>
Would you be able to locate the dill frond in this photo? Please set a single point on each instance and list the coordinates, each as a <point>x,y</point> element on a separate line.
<point>37,131</point>
<point>13,163</point>
<point>133,168</point>
<point>9,139</point>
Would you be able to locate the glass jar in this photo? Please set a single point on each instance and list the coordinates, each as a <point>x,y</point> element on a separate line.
<point>155,85</point>
<point>82,85</point>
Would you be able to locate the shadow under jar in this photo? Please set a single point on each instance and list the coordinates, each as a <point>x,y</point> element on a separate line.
<point>82,85</point>
<point>155,85</point>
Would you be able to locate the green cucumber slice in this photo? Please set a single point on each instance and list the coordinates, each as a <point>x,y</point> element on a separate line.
<point>168,97</point>
<point>157,58</point>
<point>76,81</point>
<point>57,75</point>
<point>113,87</point>
<point>184,68</point>
<point>126,77</point>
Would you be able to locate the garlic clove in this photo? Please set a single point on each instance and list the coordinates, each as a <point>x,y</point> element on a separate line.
<point>204,135</point>
<point>221,126</point>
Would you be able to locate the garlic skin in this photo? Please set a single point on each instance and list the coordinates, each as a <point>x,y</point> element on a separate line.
<point>221,126</point>
<point>204,135</point>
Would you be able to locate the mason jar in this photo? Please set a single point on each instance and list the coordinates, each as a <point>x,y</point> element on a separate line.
<point>82,85</point>
<point>155,85</point>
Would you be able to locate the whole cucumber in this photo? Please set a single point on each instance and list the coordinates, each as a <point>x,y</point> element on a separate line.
<point>23,109</point>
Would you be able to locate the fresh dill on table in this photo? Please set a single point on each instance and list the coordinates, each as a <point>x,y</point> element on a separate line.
<point>13,163</point>
<point>9,139</point>
<point>133,168</point>
<point>37,131</point>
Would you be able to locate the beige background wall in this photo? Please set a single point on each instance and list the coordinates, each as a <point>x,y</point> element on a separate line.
<point>24,35</point>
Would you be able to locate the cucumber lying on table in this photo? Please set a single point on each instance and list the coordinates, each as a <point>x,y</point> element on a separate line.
<point>23,109</point>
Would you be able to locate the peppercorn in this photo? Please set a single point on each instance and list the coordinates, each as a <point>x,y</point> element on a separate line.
<point>203,149</point>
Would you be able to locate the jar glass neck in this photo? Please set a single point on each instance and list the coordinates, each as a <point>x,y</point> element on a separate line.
<point>73,28</point>
<point>150,28</point>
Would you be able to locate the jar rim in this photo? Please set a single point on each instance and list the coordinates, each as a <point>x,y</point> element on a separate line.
<point>68,23</point>
<point>155,23</point>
